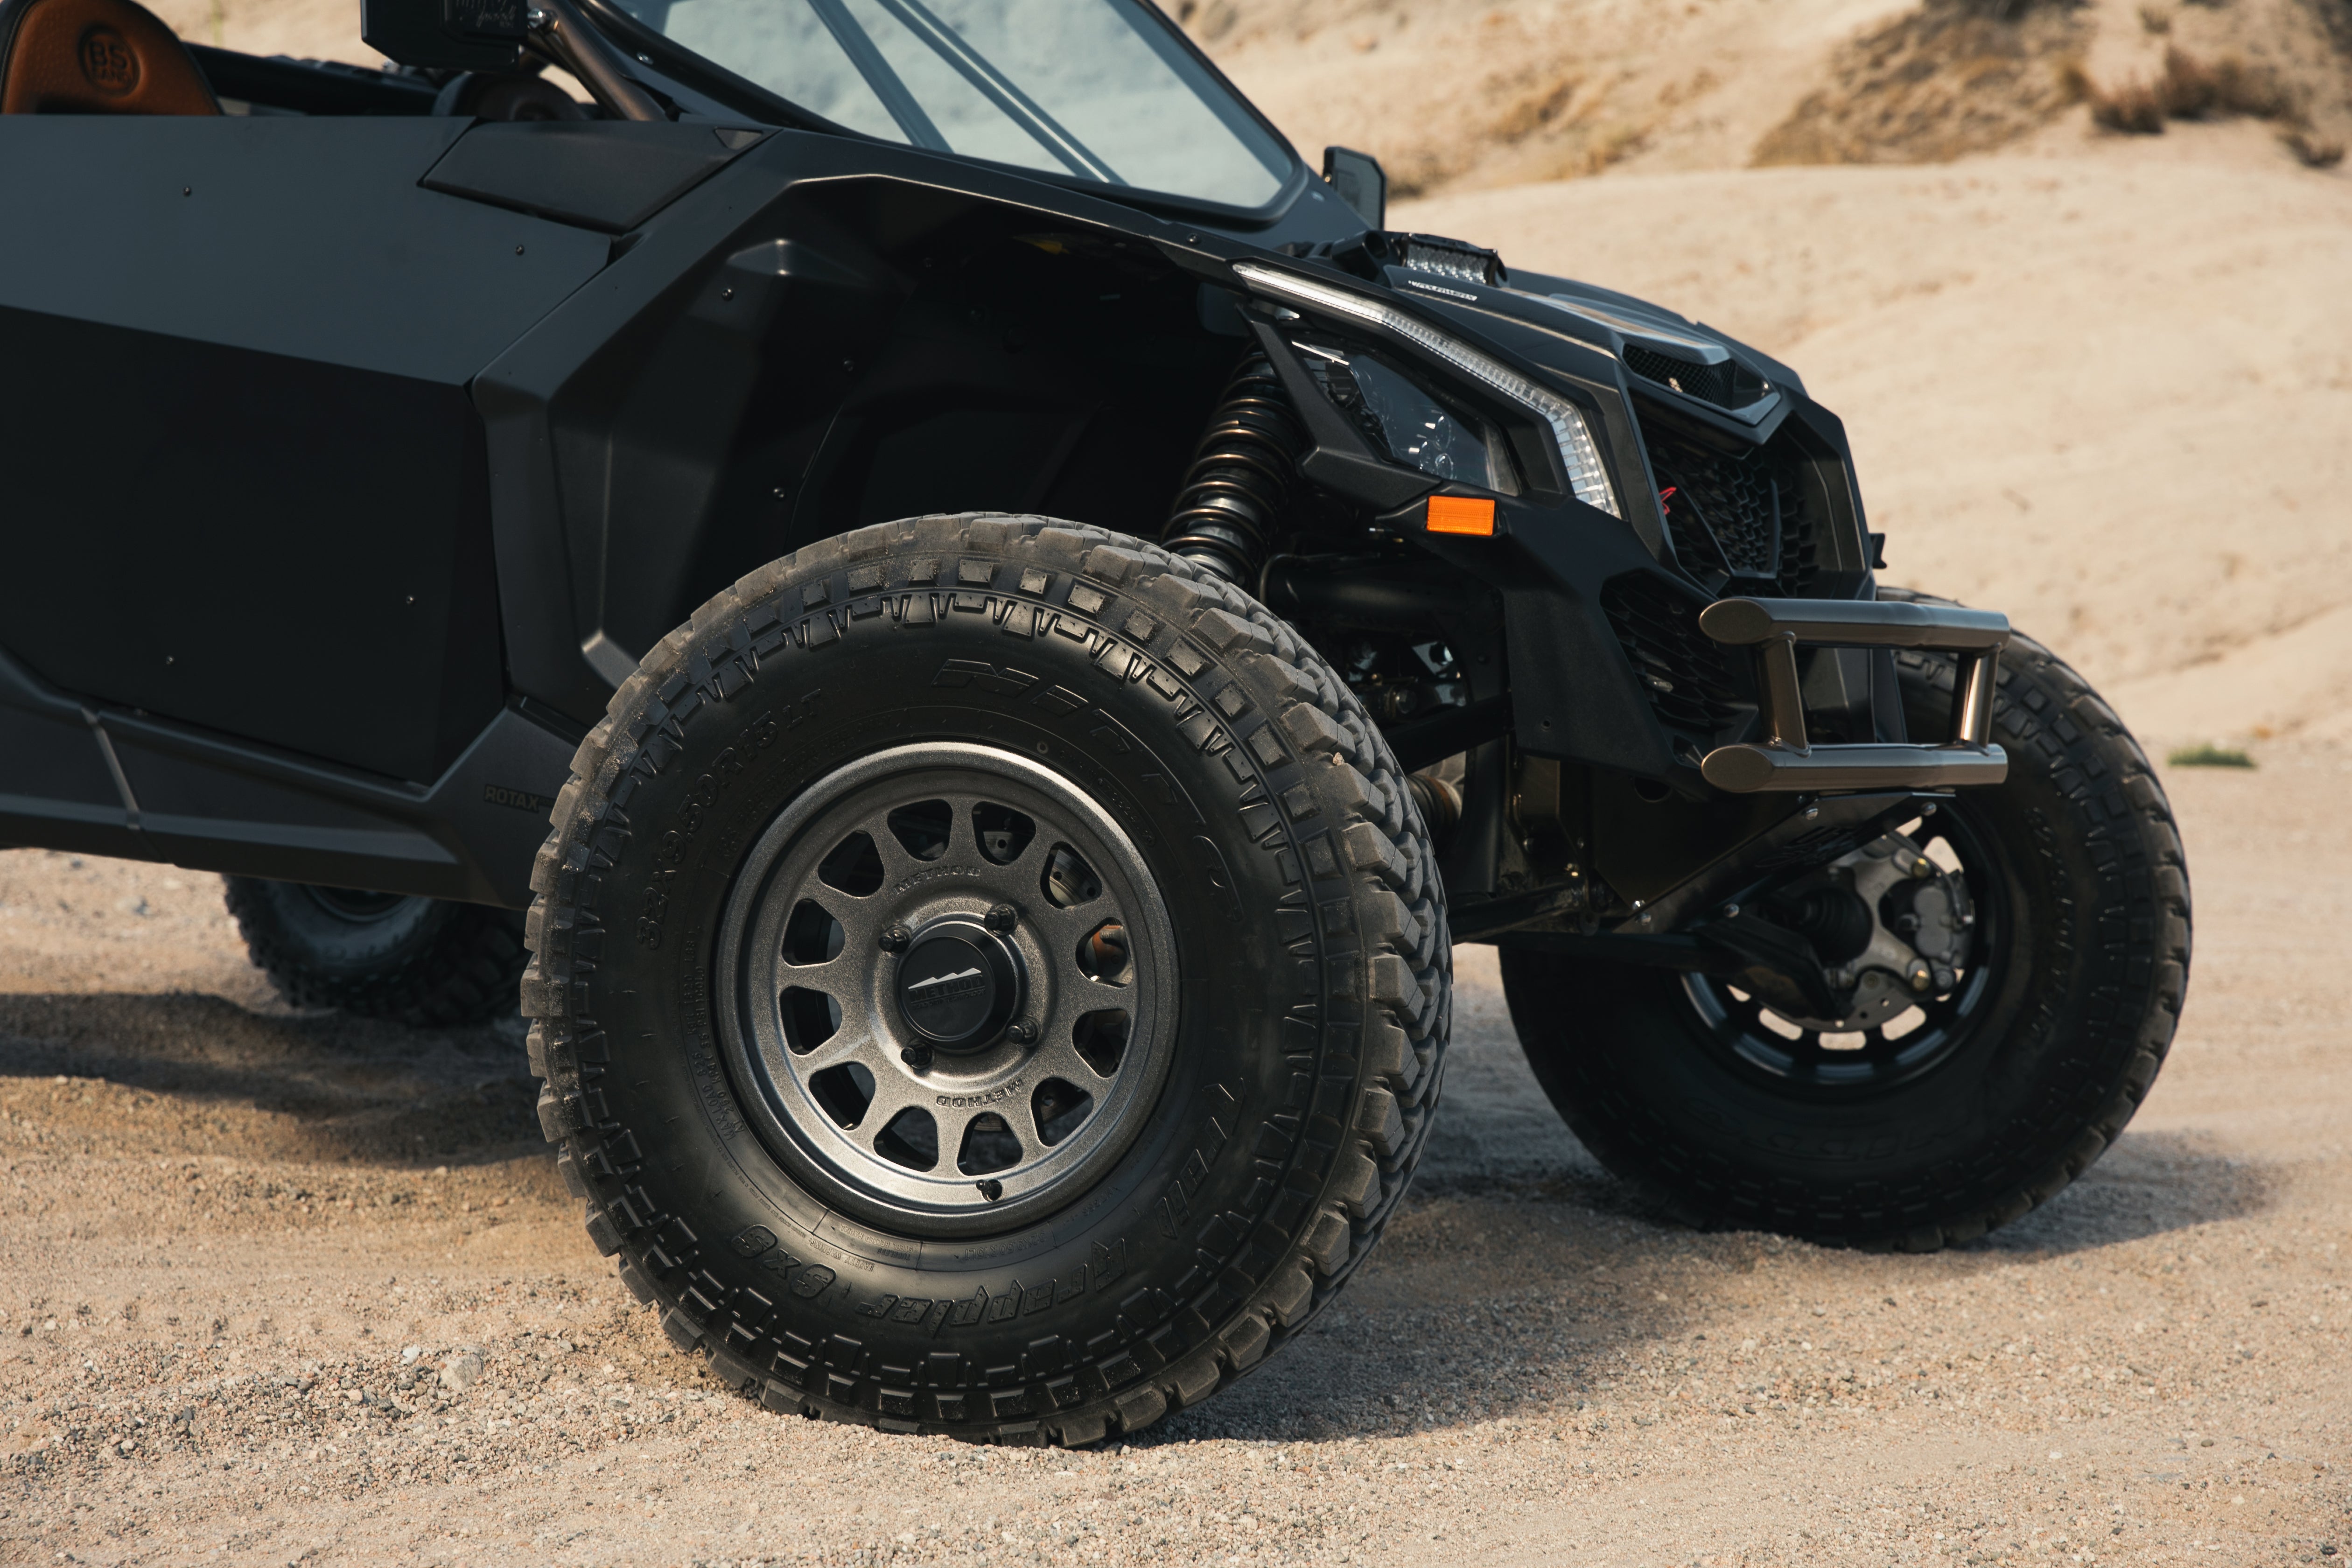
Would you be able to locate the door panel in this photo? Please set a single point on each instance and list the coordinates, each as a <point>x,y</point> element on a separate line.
<point>244,486</point>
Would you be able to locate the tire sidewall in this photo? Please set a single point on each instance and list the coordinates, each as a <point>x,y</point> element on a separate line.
<point>1646,1084</point>
<point>337,947</point>
<point>1177,741</point>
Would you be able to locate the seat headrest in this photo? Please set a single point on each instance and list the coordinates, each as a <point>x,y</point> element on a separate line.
<point>95,56</point>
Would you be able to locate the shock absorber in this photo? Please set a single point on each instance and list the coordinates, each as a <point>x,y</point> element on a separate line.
<point>1240,476</point>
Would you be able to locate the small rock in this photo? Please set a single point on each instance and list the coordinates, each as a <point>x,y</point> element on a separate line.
<point>462,1371</point>
<point>409,1354</point>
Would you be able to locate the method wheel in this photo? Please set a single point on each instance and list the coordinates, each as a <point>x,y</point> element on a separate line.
<point>990,978</point>
<point>2042,1009</point>
<point>423,961</point>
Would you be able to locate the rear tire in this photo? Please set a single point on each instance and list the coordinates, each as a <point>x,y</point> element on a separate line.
<point>421,962</point>
<point>891,736</point>
<point>2007,1088</point>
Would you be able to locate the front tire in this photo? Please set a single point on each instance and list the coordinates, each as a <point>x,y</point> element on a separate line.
<point>2006,1085</point>
<point>839,906</point>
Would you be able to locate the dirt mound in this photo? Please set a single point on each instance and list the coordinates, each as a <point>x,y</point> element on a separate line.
<point>1952,78</point>
<point>1523,91</point>
<point>1449,97</point>
<point>2104,392</point>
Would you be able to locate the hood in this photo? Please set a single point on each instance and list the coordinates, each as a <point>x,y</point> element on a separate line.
<point>1667,350</point>
<point>1674,355</point>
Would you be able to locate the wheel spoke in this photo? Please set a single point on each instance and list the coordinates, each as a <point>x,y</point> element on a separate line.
<point>896,864</point>
<point>861,927</point>
<point>953,1121</point>
<point>1071,981</point>
<point>836,977</point>
<point>851,1045</point>
<point>1058,1057</point>
<point>894,1091</point>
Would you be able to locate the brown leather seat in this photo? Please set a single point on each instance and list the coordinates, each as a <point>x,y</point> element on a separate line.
<point>95,56</point>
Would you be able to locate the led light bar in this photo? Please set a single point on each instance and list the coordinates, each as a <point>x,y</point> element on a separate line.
<point>1586,477</point>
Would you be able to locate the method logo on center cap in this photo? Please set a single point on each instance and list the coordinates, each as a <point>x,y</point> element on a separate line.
<point>955,987</point>
<point>946,987</point>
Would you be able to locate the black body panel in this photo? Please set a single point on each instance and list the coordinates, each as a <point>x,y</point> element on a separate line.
<point>824,334</point>
<point>368,548</point>
<point>237,425</point>
<point>309,238</point>
<point>111,783</point>
<point>596,173</point>
<point>357,452</point>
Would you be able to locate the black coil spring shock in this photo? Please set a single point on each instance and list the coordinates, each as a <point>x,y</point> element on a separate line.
<point>1240,476</point>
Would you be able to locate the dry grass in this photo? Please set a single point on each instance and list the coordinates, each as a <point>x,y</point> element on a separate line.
<point>2311,150</point>
<point>1567,125</point>
<point>1953,77</point>
<point>2190,89</point>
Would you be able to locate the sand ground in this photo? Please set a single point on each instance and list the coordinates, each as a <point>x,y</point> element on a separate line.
<point>238,1247</point>
<point>247,1257</point>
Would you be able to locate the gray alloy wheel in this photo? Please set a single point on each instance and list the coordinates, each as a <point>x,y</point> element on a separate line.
<point>952,983</point>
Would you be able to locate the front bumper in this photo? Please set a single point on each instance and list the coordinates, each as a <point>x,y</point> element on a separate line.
<point>1785,760</point>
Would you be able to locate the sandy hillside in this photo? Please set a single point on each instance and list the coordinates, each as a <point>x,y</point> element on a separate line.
<point>2104,385</point>
<point>1452,95</point>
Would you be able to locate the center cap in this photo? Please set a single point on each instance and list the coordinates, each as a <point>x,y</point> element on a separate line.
<point>959,985</point>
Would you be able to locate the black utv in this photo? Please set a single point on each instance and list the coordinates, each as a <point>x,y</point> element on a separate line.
<point>1002,626</point>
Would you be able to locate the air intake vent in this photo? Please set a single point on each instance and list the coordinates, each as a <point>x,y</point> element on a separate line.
<point>1717,384</point>
<point>1739,515</point>
<point>1684,672</point>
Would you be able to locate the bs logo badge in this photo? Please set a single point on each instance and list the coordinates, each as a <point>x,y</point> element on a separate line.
<point>107,61</point>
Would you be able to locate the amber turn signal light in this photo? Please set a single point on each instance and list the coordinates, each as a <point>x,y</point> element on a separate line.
<point>1462,514</point>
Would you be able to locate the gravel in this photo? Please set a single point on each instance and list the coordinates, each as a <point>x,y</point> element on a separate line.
<point>284,1287</point>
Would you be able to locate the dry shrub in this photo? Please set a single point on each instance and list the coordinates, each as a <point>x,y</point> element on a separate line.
<point>2309,150</point>
<point>1535,109</point>
<point>1952,78</point>
<point>2191,89</point>
<point>2135,109</point>
<point>2194,89</point>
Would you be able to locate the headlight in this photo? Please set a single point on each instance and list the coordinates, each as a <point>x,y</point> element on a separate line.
<point>1586,477</point>
<point>1408,424</point>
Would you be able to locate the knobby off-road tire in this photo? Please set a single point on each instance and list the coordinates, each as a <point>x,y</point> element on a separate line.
<point>421,962</point>
<point>2082,893</point>
<point>1311,966</point>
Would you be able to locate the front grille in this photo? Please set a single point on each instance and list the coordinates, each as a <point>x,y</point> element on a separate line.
<point>1715,383</point>
<point>1682,671</point>
<point>1741,515</point>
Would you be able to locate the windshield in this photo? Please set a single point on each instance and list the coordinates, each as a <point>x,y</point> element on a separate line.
<point>1096,88</point>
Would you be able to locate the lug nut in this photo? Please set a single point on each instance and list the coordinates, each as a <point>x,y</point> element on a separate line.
<point>917,1057</point>
<point>1921,977</point>
<point>1022,1033</point>
<point>1001,917</point>
<point>897,938</point>
<point>1923,867</point>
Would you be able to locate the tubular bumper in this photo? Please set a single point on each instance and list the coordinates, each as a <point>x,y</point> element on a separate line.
<point>1786,761</point>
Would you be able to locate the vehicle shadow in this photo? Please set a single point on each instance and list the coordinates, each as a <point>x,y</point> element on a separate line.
<point>1519,1279</point>
<point>2145,1185</point>
<point>227,1080</point>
